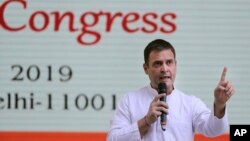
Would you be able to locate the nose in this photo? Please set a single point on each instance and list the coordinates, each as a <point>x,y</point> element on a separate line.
<point>164,67</point>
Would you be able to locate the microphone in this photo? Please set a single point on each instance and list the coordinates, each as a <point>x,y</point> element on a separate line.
<point>162,88</point>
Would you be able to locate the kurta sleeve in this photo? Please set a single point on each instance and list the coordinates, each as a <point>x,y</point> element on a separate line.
<point>205,122</point>
<point>121,127</point>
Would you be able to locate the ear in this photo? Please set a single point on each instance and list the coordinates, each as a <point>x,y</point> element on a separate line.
<point>145,67</point>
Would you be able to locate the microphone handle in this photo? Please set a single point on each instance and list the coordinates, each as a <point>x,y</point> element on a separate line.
<point>163,115</point>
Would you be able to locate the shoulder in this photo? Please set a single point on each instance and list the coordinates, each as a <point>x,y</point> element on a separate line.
<point>183,94</point>
<point>131,98</point>
<point>134,94</point>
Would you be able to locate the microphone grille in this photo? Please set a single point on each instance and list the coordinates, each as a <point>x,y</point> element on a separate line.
<point>162,88</point>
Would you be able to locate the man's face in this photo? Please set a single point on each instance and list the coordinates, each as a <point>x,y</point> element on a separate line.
<point>161,67</point>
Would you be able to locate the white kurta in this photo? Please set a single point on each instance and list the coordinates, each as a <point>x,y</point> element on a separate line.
<point>186,115</point>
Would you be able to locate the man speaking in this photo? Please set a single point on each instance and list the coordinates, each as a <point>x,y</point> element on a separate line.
<point>137,116</point>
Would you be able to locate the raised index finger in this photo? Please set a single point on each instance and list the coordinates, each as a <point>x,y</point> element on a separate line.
<point>223,75</point>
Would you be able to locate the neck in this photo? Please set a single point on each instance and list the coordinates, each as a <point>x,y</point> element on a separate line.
<point>169,89</point>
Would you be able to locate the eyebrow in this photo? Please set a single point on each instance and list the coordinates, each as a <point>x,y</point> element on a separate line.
<point>164,61</point>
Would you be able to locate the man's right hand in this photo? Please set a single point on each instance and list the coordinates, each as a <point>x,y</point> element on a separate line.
<point>156,108</point>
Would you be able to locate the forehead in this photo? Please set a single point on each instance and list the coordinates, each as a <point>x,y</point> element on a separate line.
<point>161,55</point>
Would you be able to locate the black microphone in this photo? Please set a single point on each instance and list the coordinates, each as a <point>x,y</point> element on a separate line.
<point>162,88</point>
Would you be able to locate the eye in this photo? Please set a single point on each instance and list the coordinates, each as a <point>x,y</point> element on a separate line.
<point>157,63</point>
<point>169,62</point>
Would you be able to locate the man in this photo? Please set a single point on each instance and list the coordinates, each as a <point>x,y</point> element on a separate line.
<point>136,116</point>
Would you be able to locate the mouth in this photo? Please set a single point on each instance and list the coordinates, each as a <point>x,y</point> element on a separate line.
<point>165,78</point>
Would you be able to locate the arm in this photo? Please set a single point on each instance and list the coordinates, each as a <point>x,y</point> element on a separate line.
<point>143,125</point>
<point>121,127</point>
<point>205,121</point>
<point>215,122</point>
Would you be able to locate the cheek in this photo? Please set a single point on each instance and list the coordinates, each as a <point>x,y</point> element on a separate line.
<point>153,74</point>
<point>173,71</point>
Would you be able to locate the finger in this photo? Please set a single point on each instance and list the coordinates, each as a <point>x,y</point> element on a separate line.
<point>230,91</point>
<point>157,113</point>
<point>224,84</point>
<point>221,88</point>
<point>233,92</point>
<point>158,97</point>
<point>162,104</point>
<point>227,85</point>
<point>162,110</point>
<point>223,75</point>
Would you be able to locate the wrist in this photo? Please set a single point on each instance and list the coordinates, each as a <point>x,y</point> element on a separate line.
<point>218,105</point>
<point>146,121</point>
<point>219,110</point>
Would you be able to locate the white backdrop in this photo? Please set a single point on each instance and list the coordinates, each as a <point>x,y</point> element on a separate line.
<point>51,81</point>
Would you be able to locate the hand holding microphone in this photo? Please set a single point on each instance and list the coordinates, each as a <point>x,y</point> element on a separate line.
<point>158,108</point>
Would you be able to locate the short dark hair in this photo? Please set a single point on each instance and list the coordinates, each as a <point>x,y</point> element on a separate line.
<point>157,45</point>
